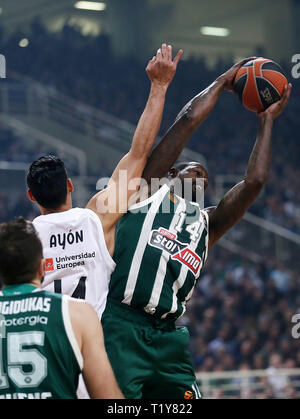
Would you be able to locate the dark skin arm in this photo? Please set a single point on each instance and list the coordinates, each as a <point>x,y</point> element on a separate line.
<point>111,203</point>
<point>237,201</point>
<point>188,120</point>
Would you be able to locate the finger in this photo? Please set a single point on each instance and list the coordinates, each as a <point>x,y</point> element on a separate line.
<point>159,54</point>
<point>279,106</point>
<point>169,49</point>
<point>289,90</point>
<point>244,61</point>
<point>178,57</point>
<point>152,61</point>
<point>286,94</point>
<point>164,51</point>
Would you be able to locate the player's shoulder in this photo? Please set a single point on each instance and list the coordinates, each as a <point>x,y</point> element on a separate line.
<point>48,295</point>
<point>209,210</point>
<point>86,214</point>
<point>80,310</point>
<point>73,214</point>
<point>206,214</point>
<point>78,305</point>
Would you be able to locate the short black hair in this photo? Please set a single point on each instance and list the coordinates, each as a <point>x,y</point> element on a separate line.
<point>21,252</point>
<point>47,181</point>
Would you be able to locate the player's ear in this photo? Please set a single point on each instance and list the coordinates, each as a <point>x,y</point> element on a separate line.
<point>41,269</point>
<point>173,173</point>
<point>30,196</point>
<point>70,185</point>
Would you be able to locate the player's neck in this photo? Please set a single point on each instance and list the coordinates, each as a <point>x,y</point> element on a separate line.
<point>36,283</point>
<point>63,208</point>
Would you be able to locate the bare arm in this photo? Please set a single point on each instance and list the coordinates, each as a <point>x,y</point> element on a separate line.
<point>188,120</point>
<point>237,201</point>
<point>111,203</point>
<point>97,372</point>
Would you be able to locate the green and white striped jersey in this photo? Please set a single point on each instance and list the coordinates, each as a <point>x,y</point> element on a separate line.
<point>161,245</point>
<point>39,354</point>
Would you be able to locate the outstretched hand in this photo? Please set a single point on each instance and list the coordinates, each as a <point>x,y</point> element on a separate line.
<point>228,77</point>
<point>162,68</point>
<point>277,108</point>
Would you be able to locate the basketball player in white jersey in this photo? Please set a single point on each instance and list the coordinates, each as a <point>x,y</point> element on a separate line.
<point>78,243</point>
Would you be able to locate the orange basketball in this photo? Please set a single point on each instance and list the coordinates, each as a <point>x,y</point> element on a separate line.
<point>259,83</point>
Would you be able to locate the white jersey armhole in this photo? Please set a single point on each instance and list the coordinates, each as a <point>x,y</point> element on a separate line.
<point>69,330</point>
<point>162,191</point>
<point>110,263</point>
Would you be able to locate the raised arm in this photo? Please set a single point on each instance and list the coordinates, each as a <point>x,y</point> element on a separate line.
<point>188,120</point>
<point>237,201</point>
<point>111,203</point>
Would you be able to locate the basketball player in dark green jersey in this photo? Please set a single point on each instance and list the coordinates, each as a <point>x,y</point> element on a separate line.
<point>46,339</point>
<point>159,255</point>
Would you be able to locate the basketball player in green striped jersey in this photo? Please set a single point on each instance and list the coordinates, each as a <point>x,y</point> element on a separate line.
<point>159,255</point>
<point>45,338</point>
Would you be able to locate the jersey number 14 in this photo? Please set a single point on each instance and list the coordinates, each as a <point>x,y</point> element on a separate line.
<point>79,291</point>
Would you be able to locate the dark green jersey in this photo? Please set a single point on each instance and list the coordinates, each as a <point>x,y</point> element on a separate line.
<point>39,355</point>
<point>161,245</point>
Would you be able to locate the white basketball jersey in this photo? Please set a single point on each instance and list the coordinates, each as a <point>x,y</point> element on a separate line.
<point>77,260</point>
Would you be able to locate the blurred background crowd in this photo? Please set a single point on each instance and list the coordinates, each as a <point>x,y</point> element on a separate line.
<point>240,318</point>
<point>240,315</point>
<point>85,68</point>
